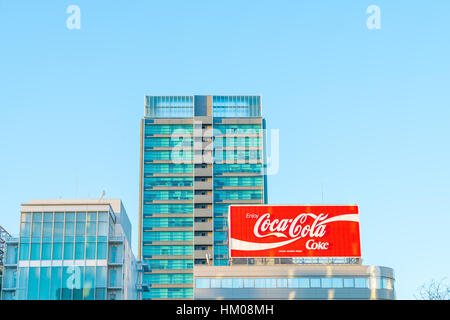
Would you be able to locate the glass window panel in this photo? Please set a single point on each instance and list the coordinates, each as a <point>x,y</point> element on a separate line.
<point>227,283</point>
<point>326,283</point>
<point>25,217</point>
<point>37,228</point>
<point>102,229</point>
<point>337,283</point>
<point>92,216</point>
<point>48,229</point>
<point>349,283</point>
<point>281,283</point>
<point>48,217</point>
<point>78,283</point>
<point>215,283</point>
<point>59,230</point>
<point>260,283</point>
<point>55,291</point>
<point>46,251</point>
<point>11,254</point>
<point>37,217</point>
<point>100,293</point>
<point>89,284</point>
<point>35,251</point>
<point>303,283</point>
<point>81,216</point>
<point>70,229</point>
<point>81,229</point>
<point>113,278</point>
<point>67,283</point>
<point>360,282</point>
<point>24,251</point>
<point>57,250</point>
<point>79,251</point>
<point>90,250</point>
<point>23,280</point>
<point>103,216</point>
<point>92,228</point>
<point>293,283</point>
<point>238,283</point>
<point>25,229</point>
<point>59,216</point>
<point>44,283</point>
<point>271,283</point>
<point>249,283</point>
<point>101,250</point>
<point>68,250</point>
<point>9,278</point>
<point>315,282</point>
<point>100,279</point>
<point>33,283</point>
<point>70,216</point>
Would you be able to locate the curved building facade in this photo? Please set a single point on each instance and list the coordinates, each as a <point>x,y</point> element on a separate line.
<point>294,282</point>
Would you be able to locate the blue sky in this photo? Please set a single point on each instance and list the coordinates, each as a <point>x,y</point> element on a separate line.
<point>365,113</point>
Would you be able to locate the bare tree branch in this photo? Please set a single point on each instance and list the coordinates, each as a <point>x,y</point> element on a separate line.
<point>434,290</point>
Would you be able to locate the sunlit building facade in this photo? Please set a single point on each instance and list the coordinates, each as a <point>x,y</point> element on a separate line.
<point>316,279</point>
<point>199,154</point>
<point>71,250</point>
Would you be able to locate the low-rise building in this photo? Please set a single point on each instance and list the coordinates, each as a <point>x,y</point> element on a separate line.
<point>71,250</point>
<point>294,281</point>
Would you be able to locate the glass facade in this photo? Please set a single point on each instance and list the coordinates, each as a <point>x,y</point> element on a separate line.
<point>62,283</point>
<point>304,282</point>
<point>71,254</point>
<point>64,236</point>
<point>178,178</point>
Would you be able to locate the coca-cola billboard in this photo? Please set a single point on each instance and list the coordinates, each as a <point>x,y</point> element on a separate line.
<point>294,231</point>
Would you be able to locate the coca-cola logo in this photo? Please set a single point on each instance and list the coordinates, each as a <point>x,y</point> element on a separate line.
<point>291,228</point>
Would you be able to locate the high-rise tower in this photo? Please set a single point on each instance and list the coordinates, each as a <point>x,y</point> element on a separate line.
<point>199,154</point>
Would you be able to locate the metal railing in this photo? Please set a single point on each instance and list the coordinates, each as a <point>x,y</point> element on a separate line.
<point>4,235</point>
<point>298,261</point>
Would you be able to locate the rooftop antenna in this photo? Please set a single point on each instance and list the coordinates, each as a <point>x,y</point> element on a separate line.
<point>76,184</point>
<point>322,191</point>
<point>103,194</point>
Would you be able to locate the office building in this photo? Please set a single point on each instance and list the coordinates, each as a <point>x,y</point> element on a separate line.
<point>329,280</point>
<point>199,154</point>
<point>71,250</point>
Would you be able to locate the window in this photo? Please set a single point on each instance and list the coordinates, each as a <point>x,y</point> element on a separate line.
<point>249,283</point>
<point>360,282</point>
<point>337,283</point>
<point>326,282</point>
<point>227,283</point>
<point>260,283</point>
<point>202,283</point>
<point>282,283</point>
<point>101,250</point>
<point>349,283</point>
<point>46,251</point>
<point>68,250</point>
<point>35,251</point>
<point>215,283</point>
<point>238,283</point>
<point>315,283</point>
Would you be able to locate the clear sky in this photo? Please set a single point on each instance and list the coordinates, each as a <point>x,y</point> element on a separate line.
<point>363,113</point>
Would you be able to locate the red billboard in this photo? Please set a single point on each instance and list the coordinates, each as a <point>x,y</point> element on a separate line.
<point>294,231</point>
